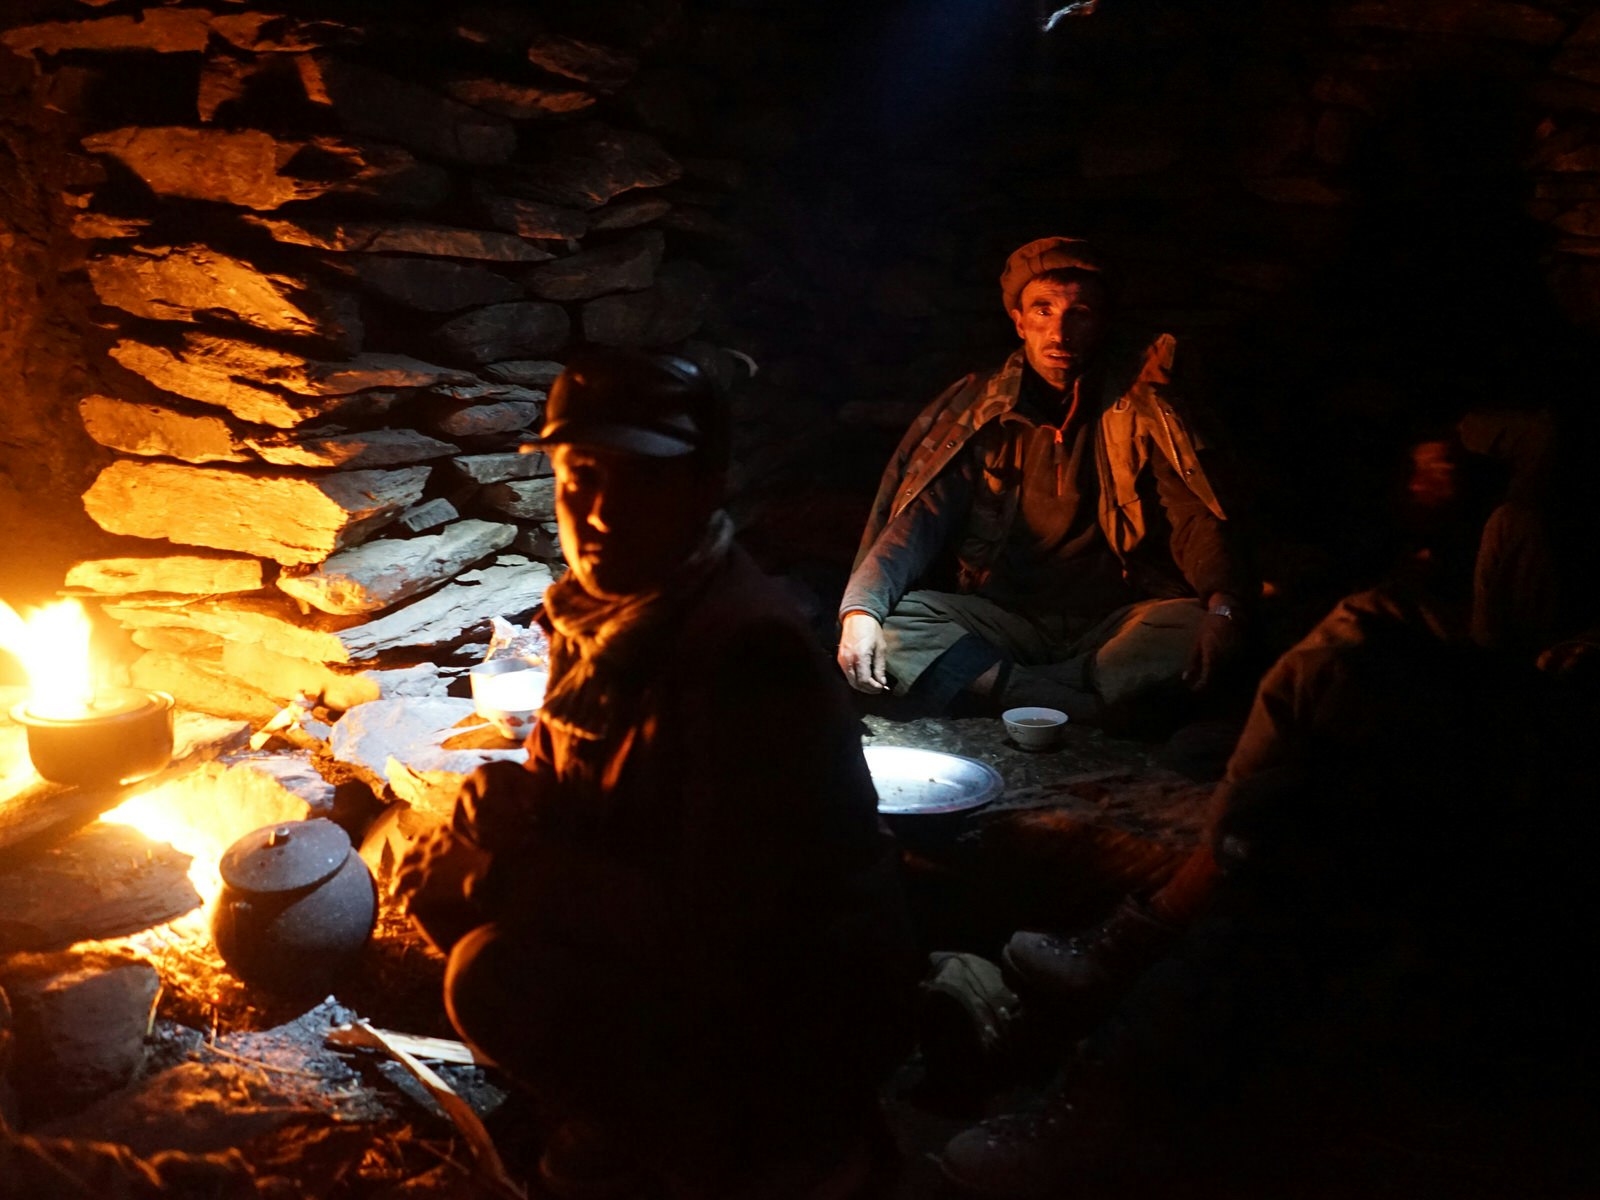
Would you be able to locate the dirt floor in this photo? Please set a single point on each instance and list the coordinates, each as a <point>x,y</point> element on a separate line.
<point>1076,828</point>
<point>232,1066</point>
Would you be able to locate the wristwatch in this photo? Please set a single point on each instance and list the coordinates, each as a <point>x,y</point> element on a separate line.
<point>1220,610</point>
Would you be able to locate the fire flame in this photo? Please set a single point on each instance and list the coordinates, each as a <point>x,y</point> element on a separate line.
<point>165,814</point>
<point>53,645</point>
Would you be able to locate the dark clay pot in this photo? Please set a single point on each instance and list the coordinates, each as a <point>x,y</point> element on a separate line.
<point>297,905</point>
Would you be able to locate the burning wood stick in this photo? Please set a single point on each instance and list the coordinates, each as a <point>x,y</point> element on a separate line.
<point>491,1171</point>
<point>359,1037</point>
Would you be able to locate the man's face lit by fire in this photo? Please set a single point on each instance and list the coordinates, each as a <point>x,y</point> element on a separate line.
<point>1061,325</point>
<point>628,521</point>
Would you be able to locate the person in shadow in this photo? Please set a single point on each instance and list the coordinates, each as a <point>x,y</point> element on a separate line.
<point>680,926</point>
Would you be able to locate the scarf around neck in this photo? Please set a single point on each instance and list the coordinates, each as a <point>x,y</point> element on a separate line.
<point>603,639</point>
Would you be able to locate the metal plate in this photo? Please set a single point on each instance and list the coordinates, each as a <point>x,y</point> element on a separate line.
<point>929,781</point>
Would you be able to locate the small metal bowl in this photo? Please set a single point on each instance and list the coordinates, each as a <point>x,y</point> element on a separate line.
<point>125,735</point>
<point>915,782</point>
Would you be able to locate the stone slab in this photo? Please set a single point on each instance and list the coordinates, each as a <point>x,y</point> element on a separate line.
<point>199,377</point>
<point>529,218</point>
<point>81,1020</point>
<point>660,316</point>
<point>184,283</point>
<point>431,285</point>
<point>361,449</point>
<point>532,373</point>
<point>518,101</point>
<point>176,641</point>
<point>372,103</point>
<point>524,499</point>
<point>266,32</point>
<point>594,163</point>
<point>379,574</point>
<point>629,212</point>
<point>189,574</point>
<point>272,622</point>
<point>287,518</point>
<point>627,265</point>
<point>521,329</point>
<point>102,881</point>
<point>154,430</point>
<point>90,226</point>
<point>401,237</point>
<point>253,169</point>
<point>498,468</point>
<point>271,386</point>
<point>483,420</point>
<point>509,586</point>
<point>427,515</point>
<point>198,682</point>
<point>585,62</point>
<point>162,30</point>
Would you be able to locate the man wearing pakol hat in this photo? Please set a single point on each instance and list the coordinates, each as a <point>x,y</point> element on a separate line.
<point>680,926</point>
<point>1051,533</point>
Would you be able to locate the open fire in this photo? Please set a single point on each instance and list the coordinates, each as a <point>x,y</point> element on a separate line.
<point>71,713</point>
<point>81,731</point>
<point>52,643</point>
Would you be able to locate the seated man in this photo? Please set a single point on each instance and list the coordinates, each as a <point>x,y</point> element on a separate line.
<point>1515,582</point>
<point>1045,489</point>
<point>1397,874</point>
<point>681,925</point>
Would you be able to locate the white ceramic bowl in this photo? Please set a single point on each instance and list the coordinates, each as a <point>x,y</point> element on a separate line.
<point>1035,728</point>
<point>508,691</point>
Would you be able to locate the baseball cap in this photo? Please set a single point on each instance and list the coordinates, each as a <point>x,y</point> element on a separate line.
<point>650,404</point>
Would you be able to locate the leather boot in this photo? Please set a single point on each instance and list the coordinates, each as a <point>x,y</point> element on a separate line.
<point>1060,1149</point>
<point>965,1016</point>
<point>1087,974</point>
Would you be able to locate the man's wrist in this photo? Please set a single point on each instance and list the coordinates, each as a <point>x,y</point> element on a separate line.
<point>861,612</point>
<point>1224,604</point>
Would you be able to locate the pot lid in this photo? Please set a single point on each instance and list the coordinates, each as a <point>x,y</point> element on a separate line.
<point>285,857</point>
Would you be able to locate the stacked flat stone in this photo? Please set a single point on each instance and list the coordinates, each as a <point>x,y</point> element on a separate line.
<point>337,297</point>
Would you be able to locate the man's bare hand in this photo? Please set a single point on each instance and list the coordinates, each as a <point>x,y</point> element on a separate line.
<point>1218,641</point>
<point>864,653</point>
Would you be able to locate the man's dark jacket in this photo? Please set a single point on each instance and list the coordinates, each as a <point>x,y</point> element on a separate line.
<point>717,855</point>
<point>1138,414</point>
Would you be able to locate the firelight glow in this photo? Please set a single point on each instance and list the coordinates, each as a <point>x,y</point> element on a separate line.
<point>53,645</point>
<point>170,814</point>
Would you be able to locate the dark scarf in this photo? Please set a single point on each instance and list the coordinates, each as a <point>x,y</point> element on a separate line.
<point>601,642</point>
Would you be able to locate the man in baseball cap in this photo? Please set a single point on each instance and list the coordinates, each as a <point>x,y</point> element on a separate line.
<point>683,931</point>
<point>1050,533</point>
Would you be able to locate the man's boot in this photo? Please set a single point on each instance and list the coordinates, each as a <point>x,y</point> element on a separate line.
<point>965,1017</point>
<point>1077,1138</point>
<point>1084,976</point>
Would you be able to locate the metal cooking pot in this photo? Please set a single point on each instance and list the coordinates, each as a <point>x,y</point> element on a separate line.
<point>297,905</point>
<point>123,735</point>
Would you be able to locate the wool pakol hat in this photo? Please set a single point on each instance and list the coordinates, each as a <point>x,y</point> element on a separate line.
<point>1047,254</point>
<point>655,405</point>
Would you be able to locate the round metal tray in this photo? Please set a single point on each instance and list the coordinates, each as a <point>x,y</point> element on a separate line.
<point>929,781</point>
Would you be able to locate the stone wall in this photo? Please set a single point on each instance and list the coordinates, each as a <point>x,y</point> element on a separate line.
<point>284,286</point>
<point>1360,215</point>
<point>320,266</point>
